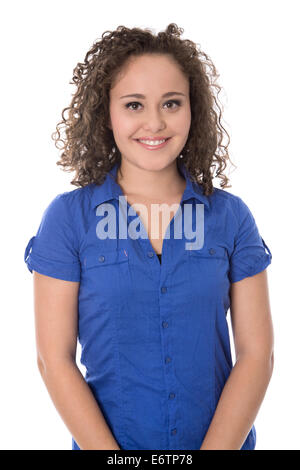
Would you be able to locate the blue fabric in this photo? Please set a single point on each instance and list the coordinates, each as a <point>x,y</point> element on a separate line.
<point>154,336</point>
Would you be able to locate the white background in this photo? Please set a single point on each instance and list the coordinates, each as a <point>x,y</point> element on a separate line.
<point>255,48</point>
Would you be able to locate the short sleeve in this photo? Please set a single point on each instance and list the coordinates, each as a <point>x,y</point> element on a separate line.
<point>53,250</point>
<point>250,255</point>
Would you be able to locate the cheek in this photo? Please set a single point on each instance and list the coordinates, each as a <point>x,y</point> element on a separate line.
<point>182,123</point>
<point>123,127</point>
<point>187,120</point>
<point>118,120</point>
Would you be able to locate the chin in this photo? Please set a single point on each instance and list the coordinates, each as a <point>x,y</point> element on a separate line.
<point>156,165</point>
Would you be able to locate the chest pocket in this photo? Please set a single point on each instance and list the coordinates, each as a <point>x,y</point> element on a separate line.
<point>213,252</point>
<point>101,259</point>
<point>108,291</point>
<point>106,279</point>
<point>208,269</point>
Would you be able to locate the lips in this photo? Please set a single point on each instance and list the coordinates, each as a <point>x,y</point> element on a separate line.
<point>153,147</point>
<point>154,138</point>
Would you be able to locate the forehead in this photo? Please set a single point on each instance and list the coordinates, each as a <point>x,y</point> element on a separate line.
<point>148,73</point>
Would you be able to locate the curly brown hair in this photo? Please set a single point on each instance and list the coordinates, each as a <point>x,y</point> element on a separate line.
<point>89,147</point>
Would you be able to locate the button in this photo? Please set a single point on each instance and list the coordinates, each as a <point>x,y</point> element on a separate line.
<point>174,431</point>
<point>165,324</point>
<point>150,254</point>
<point>163,290</point>
<point>168,359</point>
<point>212,251</point>
<point>172,395</point>
<point>101,258</point>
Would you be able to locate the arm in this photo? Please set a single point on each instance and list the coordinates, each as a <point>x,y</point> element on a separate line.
<point>247,383</point>
<point>56,311</point>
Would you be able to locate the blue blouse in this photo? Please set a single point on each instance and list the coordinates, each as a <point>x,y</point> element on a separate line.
<point>154,336</point>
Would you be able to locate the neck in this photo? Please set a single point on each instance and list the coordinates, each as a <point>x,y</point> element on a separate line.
<point>153,184</point>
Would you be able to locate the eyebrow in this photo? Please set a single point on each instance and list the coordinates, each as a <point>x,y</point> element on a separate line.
<point>138,95</point>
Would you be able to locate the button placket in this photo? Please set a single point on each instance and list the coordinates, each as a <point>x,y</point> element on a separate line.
<point>169,376</point>
<point>170,380</point>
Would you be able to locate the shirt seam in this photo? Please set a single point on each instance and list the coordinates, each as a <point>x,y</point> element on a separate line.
<point>73,225</point>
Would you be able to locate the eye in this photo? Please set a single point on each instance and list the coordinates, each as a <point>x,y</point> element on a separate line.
<point>128,105</point>
<point>133,103</point>
<point>177,102</point>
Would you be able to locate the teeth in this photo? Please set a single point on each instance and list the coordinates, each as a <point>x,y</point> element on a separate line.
<point>152,142</point>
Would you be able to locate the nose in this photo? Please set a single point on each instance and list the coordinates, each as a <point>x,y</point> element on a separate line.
<point>154,121</point>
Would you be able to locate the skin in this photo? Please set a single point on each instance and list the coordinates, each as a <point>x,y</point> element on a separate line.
<point>151,177</point>
<point>147,177</point>
<point>151,173</point>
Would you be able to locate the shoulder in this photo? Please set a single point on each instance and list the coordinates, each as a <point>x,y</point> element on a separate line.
<point>75,203</point>
<point>231,214</point>
<point>70,210</point>
<point>227,203</point>
<point>75,199</point>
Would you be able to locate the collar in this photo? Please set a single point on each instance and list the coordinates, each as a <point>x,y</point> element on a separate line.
<point>110,189</point>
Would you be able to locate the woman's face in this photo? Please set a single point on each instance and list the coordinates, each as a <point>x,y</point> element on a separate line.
<point>153,115</point>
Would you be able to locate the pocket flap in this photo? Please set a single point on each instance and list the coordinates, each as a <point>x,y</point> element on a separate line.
<point>211,252</point>
<point>105,258</point>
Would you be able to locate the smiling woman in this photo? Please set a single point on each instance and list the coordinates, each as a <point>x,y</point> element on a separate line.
<point>90,147</point>
<point>153,331</point>
<point>157,124</point>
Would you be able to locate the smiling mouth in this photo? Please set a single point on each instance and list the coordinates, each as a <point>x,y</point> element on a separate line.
<point>153,146</point>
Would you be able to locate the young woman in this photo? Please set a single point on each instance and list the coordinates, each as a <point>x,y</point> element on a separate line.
<point>147,296</point>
